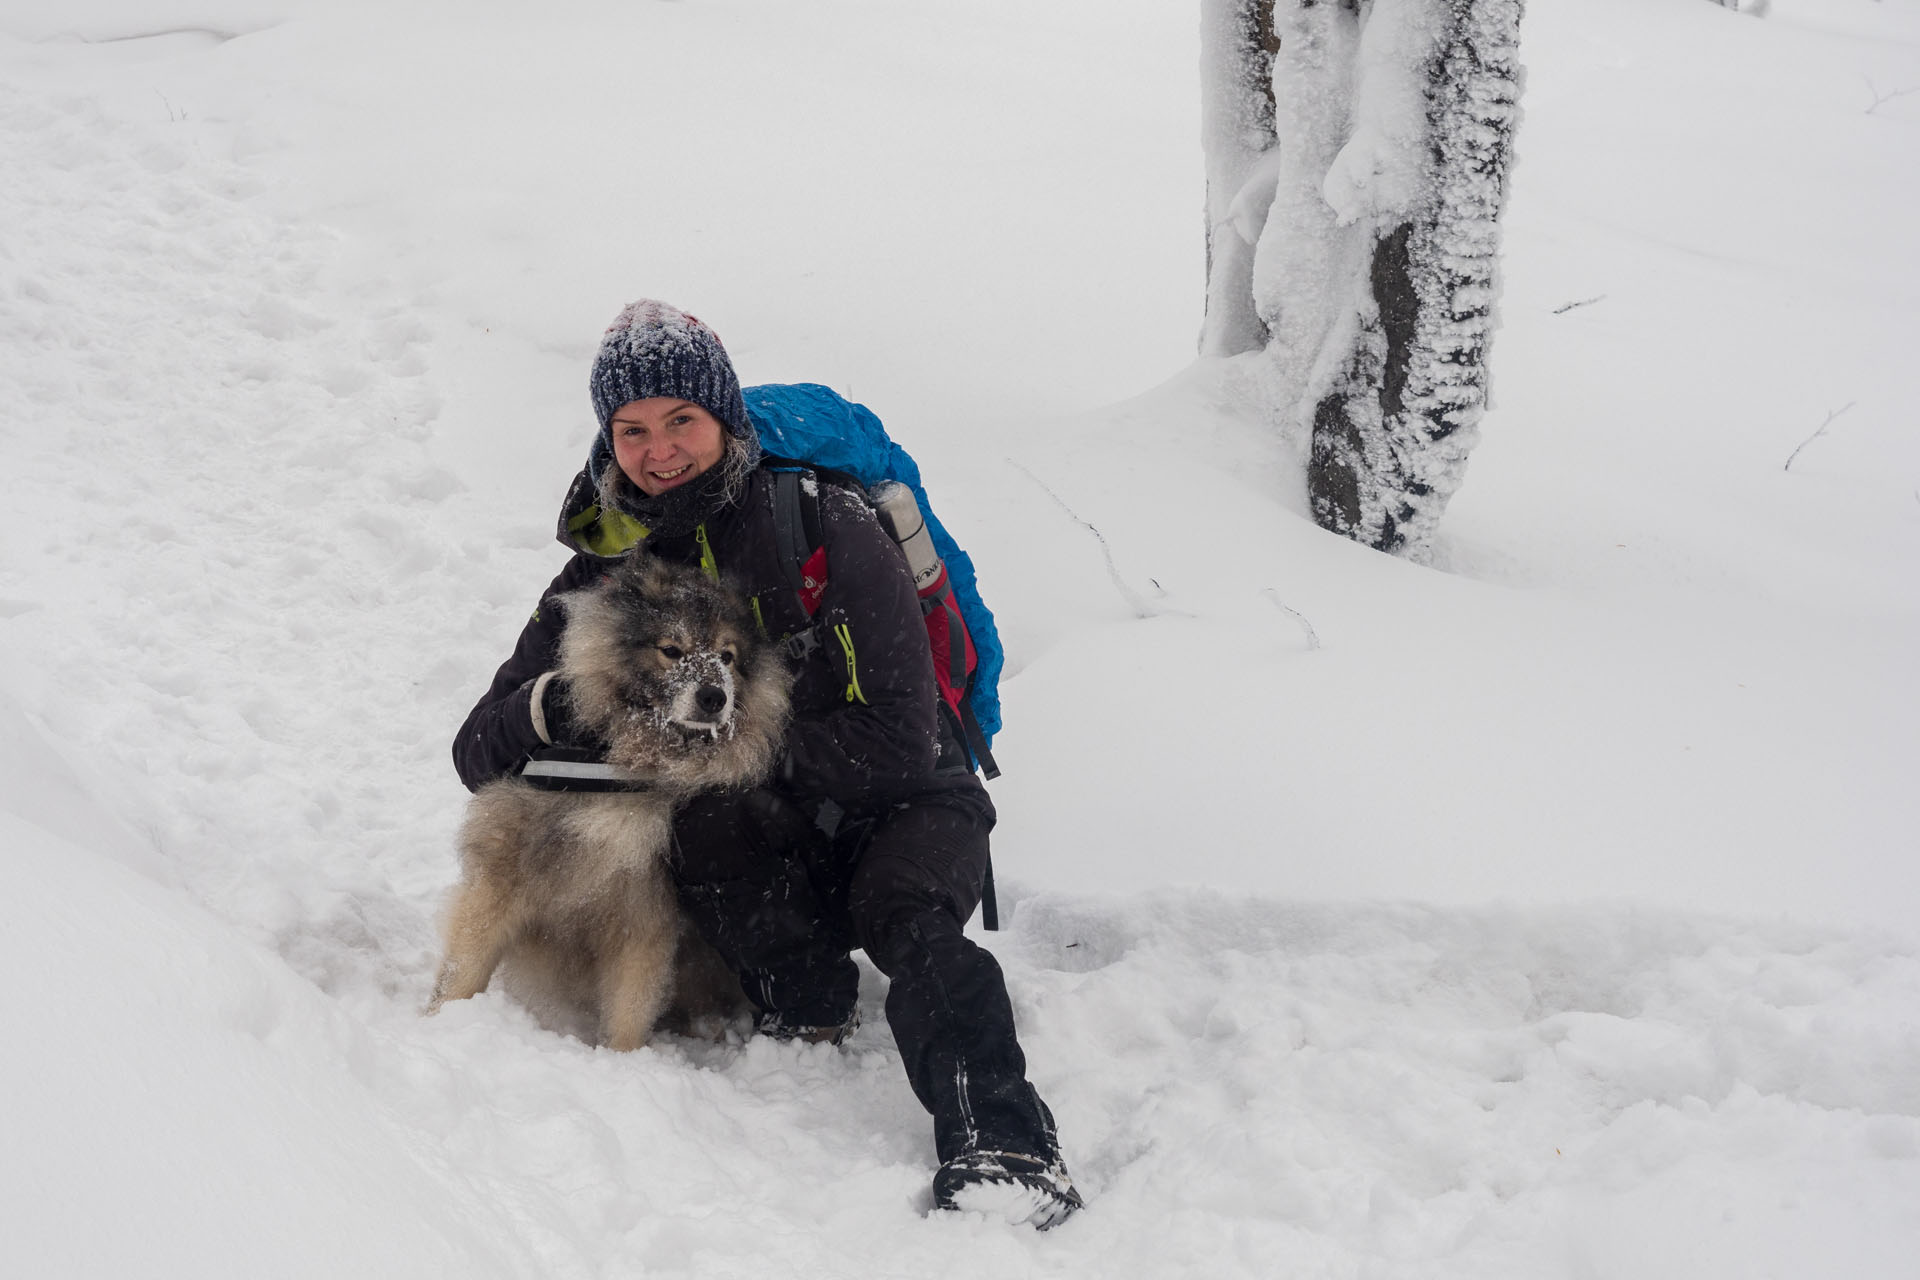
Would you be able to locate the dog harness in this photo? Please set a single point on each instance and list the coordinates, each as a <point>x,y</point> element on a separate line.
<point>572,769</point>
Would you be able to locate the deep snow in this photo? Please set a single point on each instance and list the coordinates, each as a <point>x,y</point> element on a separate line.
<point>1546,912</point>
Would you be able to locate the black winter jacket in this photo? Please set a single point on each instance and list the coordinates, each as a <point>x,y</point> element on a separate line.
<point>865,737</point>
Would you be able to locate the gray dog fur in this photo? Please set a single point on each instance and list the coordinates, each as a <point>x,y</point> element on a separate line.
<point>567,893</point>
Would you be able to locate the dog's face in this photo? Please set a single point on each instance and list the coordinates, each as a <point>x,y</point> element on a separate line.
<point>668,667</point>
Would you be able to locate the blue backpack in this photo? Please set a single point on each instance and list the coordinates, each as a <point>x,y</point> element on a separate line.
<point>808,423</point>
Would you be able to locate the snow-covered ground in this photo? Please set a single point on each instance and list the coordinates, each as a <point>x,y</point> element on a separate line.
<point>1548,911</point>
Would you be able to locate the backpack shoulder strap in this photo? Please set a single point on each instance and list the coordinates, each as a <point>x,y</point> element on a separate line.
<point>800,547</point>
<point>796,528</point>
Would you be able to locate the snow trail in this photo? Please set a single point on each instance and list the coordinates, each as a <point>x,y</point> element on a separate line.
<point>232,457</point>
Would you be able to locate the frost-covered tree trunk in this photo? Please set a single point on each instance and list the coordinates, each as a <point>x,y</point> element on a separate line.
<point>1374,272</point>
<point>1237,44</point>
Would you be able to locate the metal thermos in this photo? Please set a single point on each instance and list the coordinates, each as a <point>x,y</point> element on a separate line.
<point>900,516</point>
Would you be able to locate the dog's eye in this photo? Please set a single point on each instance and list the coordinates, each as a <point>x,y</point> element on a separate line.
<point>672,652</point>
<point>726,657</point>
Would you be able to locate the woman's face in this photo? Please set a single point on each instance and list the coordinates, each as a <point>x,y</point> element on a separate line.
<point>663,442</point>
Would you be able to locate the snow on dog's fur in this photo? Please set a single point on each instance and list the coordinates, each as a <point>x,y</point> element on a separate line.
<point>567,892</point>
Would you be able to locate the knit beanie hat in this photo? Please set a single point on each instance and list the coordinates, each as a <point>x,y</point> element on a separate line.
<point>653,349</point>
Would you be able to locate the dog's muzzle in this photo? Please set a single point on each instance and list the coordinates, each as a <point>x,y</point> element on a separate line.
<point>709,715</point>
<point>704,705</point>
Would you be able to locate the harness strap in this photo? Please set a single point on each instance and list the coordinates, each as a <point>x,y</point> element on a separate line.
<point>581,775</point>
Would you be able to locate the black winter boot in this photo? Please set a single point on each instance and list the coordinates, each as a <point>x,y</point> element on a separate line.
<point>1007,1185</point>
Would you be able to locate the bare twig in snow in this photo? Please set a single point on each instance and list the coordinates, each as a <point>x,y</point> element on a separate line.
<point>1879,97</point>
<point>1313,637</point>
<point>1141,609</point>
<point>1816,435</point>
<point>1563,308</point>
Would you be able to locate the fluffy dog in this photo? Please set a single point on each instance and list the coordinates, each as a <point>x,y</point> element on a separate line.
<point>567,892</point>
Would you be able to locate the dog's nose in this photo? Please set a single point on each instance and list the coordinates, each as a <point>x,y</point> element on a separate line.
<point>711,699</point>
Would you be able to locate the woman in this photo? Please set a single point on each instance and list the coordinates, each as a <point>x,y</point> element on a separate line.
<point>873,833</point>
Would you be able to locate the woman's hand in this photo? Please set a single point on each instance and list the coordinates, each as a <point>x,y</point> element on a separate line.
<point>554,720</point>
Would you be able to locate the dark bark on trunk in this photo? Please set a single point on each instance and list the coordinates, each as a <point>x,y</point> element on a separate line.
<point>1389,440</point>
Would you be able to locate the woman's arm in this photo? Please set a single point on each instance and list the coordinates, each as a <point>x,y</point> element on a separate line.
<point>499,734</point>
<point>881,745</point>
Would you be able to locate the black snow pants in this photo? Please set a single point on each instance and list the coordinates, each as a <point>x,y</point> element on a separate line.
<point>784,901</point>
